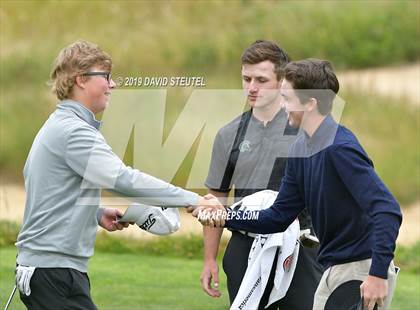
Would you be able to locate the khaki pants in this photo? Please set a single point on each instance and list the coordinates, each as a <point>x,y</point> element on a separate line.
<point>339,274</point>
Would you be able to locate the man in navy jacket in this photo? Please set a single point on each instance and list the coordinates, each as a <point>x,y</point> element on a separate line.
<point>354,215</point>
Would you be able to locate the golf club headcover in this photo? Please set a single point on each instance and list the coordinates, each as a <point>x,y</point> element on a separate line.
<point>159,220</point>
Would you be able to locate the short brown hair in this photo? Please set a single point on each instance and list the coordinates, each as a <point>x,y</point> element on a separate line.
<point>313,74</point>
<point>262,50</point>
<point>73,60</point>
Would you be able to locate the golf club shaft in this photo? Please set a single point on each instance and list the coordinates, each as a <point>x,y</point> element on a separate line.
<point>10,298</point>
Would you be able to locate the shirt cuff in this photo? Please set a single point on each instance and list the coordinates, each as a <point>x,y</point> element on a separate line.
<point>99,214</point>
<point>191,198</point>
<point>379,267</point>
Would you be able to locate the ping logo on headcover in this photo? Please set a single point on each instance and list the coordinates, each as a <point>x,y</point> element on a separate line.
<point>148,223</point>
<point>287,264</point>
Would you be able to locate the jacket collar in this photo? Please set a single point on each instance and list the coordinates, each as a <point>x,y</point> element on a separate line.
<point>81,111</point>
<point>323,136</point>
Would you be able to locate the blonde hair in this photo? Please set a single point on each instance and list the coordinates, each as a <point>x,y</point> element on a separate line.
<point>76,59</point>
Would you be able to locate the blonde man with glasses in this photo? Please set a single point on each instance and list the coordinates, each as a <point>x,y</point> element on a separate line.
<point>58,232</point>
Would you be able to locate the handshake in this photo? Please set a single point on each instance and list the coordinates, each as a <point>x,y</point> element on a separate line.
<point>209,211</point>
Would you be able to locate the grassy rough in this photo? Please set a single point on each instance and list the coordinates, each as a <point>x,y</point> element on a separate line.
<point>389,132</point>
<point>190,36</point>
<point>190,247</point>
<point>139,281</point>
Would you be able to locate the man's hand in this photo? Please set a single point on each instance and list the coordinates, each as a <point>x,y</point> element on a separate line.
<point>211,216</point>
<point>109,220</point>
<point>210,211</point>
<point>208,200</point>
<point>210,271</point>
<point>373,290</point>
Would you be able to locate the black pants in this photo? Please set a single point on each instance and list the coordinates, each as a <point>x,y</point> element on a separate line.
<point>59,288</point>
<point>301,292</point>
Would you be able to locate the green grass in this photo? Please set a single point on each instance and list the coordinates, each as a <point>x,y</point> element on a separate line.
<point>164,273</point>
<point>164,36</point>
<point>8,232</point>
<point>389,132</point>
<point>406,296</point>
<point>135,281</point>
<point>189,246</point>
<point>408,258</point>
<point>139,281</point>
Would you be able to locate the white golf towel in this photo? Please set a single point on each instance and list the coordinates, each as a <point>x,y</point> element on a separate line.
<point>261,258</point>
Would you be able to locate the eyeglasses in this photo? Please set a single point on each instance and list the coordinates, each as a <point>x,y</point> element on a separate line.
<point>106,75</point>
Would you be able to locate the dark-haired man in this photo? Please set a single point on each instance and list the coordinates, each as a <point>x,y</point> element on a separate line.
<point>249,153</point>
<point>354,215</point>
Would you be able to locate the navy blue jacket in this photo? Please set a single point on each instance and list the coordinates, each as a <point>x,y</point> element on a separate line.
<point>354,215</point>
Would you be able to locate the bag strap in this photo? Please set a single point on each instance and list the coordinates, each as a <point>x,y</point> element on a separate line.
<point>234,153</point>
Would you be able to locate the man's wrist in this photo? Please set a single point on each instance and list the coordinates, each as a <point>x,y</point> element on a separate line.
<point>211,259</point>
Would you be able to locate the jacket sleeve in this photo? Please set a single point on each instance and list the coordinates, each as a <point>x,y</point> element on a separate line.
<point>357,173</point>
<point>88,154</point>
<point>287,206</point>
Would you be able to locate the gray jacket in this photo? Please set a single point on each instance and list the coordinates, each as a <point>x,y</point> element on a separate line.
<point>68,164</point>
